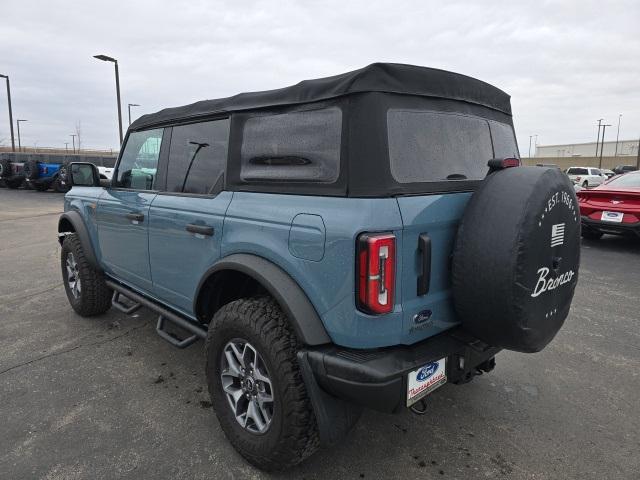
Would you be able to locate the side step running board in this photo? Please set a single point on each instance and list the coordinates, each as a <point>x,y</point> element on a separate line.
<point>165,315</point>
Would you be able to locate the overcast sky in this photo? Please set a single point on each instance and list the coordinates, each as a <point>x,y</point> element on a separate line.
<point>565,64</point>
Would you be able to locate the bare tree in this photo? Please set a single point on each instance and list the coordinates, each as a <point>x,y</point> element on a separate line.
<point>78,135</point>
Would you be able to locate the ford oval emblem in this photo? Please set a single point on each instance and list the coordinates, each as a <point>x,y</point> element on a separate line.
<point>422,316</point>
<point>427,371</point>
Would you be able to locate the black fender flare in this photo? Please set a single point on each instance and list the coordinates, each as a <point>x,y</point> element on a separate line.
<point>291,298</point>
<point>80,229</point>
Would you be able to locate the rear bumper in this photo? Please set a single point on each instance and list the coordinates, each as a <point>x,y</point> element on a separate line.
<point>612,228</point>
<point>377,379</point>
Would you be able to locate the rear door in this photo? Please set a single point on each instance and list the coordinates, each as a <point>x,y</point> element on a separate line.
<point>186,218</point>
<point>122,212</point>
<point>436,147</point>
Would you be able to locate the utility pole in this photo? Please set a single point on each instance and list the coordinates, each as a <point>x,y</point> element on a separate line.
<point>618,135</point>
<point>73,137</point>
<point>530,137</point>
<point>18,123</point>
<point>598,137</point>
<point>604,127</point>
<point>13,143</point>
<point>66,147</point>
<point>638,156</point>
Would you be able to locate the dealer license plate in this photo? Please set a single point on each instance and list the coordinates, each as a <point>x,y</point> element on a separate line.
<point>615,217</point>
<point>425,380</point>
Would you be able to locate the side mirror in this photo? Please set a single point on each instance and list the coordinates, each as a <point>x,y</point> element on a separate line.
<point>83,174</point>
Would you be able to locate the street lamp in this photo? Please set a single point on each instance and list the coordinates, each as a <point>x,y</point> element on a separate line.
<point>73,137</point>
<point>18,123</point>
<point>66,147</point>
<point>13,143</point>
<point>129,105</point>
<point>106,58</point>
<point>617,135</point>
<point>604,127</point>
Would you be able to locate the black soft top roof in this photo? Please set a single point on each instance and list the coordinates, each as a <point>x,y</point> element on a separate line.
<point>377,77</point>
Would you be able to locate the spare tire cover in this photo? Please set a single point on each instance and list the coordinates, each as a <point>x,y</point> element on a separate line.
<point>5,168</point>
<point>30,169</point>
<point>516,258</point>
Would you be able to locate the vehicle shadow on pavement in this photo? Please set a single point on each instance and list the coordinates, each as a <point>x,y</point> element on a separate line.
<point>614,243</point>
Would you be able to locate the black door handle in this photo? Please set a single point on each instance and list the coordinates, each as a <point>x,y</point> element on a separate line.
<point>201,229</point>
<point>424,246</point>
<point>138,217</point>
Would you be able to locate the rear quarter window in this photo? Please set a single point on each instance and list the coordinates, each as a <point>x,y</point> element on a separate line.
<point>296,146</point>
<point>429,146</point>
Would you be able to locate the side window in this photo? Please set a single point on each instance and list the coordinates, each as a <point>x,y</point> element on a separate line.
<point>595,171</point>
<point>198,156</point>
<point>139,161</point>
<point>296,146</point>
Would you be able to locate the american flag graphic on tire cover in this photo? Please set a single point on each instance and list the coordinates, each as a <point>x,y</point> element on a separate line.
<point>557,234</point>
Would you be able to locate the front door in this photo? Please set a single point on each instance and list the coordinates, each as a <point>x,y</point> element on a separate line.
<point>186,219</point>
<point>123,210</point>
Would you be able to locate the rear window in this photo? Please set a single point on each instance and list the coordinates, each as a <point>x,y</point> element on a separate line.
<point>577,171</point>
<point>296,146</point>
<point>429,146</point>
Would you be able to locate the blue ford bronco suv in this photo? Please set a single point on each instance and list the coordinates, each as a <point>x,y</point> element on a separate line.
<point>348,242</point>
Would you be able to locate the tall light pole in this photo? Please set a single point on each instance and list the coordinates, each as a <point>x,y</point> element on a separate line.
<point>129,105</point>
<point>18,123</point>
<point>598,137</point>
<point>604,127</point>
<point>13,143</point>
<point>106,58</point>
<point>66,147</point>
<point>73,137</point>
<point>617,135</point>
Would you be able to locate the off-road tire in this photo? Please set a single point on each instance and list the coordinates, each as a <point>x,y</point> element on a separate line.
<point>293,434</point>
<point>30,170</point>
<point>5,168</point>
<point>58,186</point>
<point>590,234</point>
<point>41,187</point>
<point>95,296</point>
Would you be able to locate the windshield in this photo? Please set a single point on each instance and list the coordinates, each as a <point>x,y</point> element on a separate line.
<point>430,146</point>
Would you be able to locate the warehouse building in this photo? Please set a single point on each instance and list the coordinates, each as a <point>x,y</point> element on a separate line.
<point>625,148</point>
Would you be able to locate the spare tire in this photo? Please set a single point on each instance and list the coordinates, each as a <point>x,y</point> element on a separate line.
<point>516,258</point>
<point>5,168</point>
<point>30,169</point>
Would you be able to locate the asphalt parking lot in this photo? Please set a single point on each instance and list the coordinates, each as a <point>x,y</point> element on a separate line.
<point>107,398</point>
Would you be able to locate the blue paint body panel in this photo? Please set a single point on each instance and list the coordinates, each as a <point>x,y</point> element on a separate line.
<point>48,170</point>
<point>312,238</point>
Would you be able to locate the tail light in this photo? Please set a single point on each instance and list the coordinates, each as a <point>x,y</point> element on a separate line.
<point>578,179</point>
<point>375,287</point>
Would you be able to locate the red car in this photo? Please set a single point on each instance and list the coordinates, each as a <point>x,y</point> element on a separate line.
<point>613,207</point>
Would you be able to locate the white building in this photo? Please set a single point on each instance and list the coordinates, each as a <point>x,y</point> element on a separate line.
<point>626,148</point>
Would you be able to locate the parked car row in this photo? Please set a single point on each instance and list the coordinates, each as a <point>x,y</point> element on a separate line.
<point>49,172</point>
<point>588,177</point>
<point>613,207</point>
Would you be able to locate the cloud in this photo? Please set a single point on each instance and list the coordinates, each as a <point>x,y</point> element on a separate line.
<point>565,64</point>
